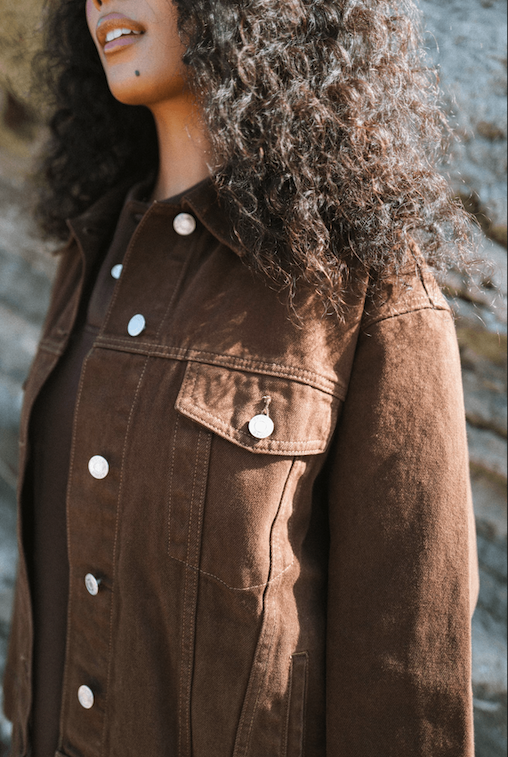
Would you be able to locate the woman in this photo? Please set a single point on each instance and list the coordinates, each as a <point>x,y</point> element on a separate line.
<point>247,527</point>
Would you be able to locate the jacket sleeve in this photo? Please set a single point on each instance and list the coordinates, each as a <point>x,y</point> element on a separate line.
<point>403,566</point>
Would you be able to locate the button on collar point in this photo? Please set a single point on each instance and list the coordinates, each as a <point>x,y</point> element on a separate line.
<point>184,224</point>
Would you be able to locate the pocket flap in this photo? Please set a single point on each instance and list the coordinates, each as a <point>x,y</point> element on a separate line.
<point>225,401</point>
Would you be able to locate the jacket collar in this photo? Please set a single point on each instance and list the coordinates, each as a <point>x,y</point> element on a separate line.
<point>202,199</point>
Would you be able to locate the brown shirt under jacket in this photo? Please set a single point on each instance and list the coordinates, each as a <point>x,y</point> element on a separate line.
<point>303,593</point>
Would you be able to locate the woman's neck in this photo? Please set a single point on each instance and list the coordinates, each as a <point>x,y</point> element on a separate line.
<point>184,149</point>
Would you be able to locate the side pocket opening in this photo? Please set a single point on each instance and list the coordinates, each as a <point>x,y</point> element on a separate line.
<point>297,704</point>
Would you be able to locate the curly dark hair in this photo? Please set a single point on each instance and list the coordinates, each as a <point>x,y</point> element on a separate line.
<point>325,127</point>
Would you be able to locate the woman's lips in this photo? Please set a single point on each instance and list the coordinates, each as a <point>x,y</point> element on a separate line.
<point>121,42</point>
<point>115,31</point>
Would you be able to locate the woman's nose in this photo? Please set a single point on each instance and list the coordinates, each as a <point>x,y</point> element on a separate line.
<point>97,3</point>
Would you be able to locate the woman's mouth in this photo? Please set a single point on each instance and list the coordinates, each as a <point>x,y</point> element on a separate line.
<point>115,31</point>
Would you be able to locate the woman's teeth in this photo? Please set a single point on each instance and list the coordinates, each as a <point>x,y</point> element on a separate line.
<point>119,33</point>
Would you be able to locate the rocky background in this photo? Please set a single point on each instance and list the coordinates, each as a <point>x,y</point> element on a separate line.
<point>467,40</point>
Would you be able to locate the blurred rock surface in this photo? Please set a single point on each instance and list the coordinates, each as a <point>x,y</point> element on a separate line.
<point>468,40</point>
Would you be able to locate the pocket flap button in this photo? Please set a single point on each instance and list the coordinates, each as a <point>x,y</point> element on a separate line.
<point>261,426</point>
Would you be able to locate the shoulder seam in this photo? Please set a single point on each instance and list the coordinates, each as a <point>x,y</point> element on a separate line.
<point>396,312</point>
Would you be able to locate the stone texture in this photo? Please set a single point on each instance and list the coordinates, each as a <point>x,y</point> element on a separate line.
<point>485,407</point>
<point>467,39</point>
<point>26,268</point>
<point>487,450</point>
<point>7,576</point>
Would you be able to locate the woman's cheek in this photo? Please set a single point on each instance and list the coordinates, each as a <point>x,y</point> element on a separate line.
<point>91,18</point>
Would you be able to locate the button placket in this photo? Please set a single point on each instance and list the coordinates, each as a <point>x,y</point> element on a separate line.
<point>86,553</point>
<point>98,467</point>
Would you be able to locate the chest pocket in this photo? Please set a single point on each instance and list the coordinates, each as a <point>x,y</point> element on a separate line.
<point>256,488</point>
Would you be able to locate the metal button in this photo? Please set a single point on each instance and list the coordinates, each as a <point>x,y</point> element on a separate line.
<point>92,584</point>
<point>261,426</point>
<point>86,697</point>
<point>116,271</point>
<point>137,325</point>
<point>184,224</point>
<point>98,466</point>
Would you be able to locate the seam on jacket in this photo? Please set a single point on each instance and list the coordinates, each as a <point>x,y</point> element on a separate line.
<point>54,347</point>
<point>226,360</point>
<point>115,544</point>
<point>261,686</point>
<point>335,387</point>
<point>394,312</point>
<point>241,749</point>
<point>171,473</point>
<point>191,589</point>
<point>234,588</point>
<point>433,290</point>
<point>424,285</point>
<point>409,303</point>
<point>285,735</point>
<point>261,678</point>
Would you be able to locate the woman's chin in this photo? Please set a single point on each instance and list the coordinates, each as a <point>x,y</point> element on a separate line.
<point>136,88</point>
<point>128,92</point>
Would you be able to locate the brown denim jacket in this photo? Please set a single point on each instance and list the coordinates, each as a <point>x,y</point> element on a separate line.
<point>304,594</point>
